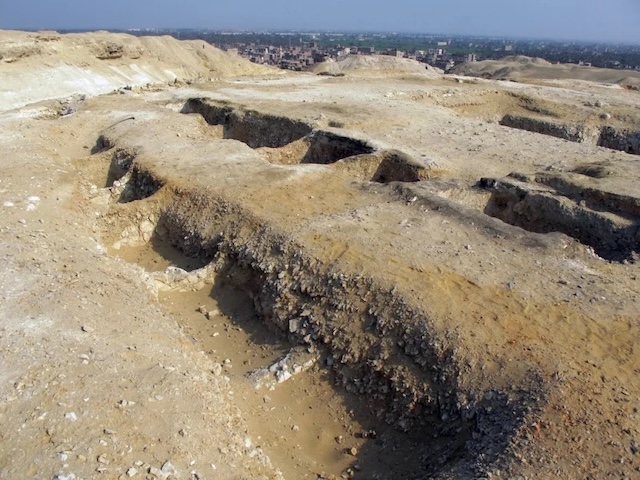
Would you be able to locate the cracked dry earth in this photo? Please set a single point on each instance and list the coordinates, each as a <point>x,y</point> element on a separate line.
<point>304,277</point>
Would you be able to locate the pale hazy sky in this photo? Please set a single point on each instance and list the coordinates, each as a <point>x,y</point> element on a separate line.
<point>603,20</point>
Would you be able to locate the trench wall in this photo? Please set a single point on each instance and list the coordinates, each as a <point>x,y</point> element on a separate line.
<point>624,140</point>
<point>376,343</point>
<point>573,133</point>
<point>620,139</point>
<point>611,235</point>
<point>250,127</point>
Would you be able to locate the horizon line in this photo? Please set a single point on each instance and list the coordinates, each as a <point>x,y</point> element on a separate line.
<point>324,31</point>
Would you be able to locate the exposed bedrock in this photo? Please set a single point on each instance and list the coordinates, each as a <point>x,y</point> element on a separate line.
<point>607,222</point>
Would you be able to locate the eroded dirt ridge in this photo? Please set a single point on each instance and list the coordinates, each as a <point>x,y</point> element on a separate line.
<point>374,341</point>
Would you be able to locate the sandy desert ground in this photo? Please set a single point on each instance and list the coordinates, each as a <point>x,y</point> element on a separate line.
<point>213,269</point>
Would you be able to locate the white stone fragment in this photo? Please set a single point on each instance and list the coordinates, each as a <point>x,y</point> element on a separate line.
<point>298,360</point>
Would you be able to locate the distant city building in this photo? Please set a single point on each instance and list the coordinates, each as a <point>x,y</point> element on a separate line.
<point>366,50</point>
<point>394,52</point>
<point>303,56</point>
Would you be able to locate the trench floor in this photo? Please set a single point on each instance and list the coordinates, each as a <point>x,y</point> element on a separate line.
<point>308,428</point>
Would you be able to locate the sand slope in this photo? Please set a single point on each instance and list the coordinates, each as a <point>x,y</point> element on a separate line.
<point>46,65</point>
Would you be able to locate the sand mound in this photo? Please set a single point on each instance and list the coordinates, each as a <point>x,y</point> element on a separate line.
<point>45,65</point>
<point>523,60</point>
<point>522,68</point>
<point>374,65</point>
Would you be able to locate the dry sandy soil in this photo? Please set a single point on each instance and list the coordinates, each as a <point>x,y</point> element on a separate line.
<point>529,69</point>
<point>374,65</point>
<point>271,275</point>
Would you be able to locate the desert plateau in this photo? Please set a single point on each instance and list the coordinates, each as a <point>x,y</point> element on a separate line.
<point>213,269</point>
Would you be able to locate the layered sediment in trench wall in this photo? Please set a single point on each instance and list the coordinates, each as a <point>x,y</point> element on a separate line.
<point>250,127</point>
<point>606,222</point>
<point>620,139</point>
<point>573,133</point>
<point>377,343</point>
<point>624,140</point>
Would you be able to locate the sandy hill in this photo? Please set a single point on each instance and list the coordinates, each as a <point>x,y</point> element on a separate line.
<point>46,65</point>
<point>521,67</point>
<point>374,65</point>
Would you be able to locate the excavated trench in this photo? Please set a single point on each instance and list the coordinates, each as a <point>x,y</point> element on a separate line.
<point>309,425</point>
<point>625,140</point>
<point>396,378</point>
<point>615,130</point>
<point>250,127</point>
<point>542,203</point>
<point>283,141</point>
<point>572,133</point>
<point>608,222</point>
